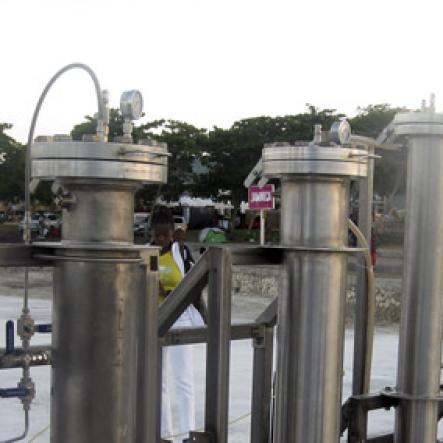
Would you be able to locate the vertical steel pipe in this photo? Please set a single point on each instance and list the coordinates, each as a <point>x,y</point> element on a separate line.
<point>360,372</point>
<point>311,311</point>
<point>314,212</point>
<point>96,320</point>
<point>101,213</point>
<point>105,348</point>
<point>418,376</point>
<point>362,346</point>
<point>94,373</point>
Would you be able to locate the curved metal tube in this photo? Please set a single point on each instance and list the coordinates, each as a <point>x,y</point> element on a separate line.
<point>27,231</point>
<point>25,432</point>
<point>101,114</point>
<point>367,363</point>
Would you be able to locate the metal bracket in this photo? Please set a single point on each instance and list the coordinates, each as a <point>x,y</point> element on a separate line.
<point>357,407</point>
<point>17,255</point>
<point>258,337</point>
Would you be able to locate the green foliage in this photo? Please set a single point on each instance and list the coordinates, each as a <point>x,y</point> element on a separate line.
<point>372,119</point>
<point>90,126</point>
<point>390,170</point>
<point>235,151</point>
<point>185,143</point>
<point>13,169</point>
<point>228,154</point>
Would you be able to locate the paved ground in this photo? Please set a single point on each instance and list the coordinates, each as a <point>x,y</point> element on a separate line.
<point>384,373</point>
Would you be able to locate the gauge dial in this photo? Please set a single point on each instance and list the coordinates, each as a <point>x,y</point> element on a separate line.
<point>340,132</point>
<point>131,104</point>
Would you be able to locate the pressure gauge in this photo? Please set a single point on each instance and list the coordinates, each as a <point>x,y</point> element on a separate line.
<point>131,104</point>
<point>340,132</point>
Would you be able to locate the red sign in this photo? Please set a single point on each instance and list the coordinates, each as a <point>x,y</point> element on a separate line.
<point>261,198</point>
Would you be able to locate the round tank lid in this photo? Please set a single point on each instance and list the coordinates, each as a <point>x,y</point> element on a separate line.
<point>419,123</point>
<point>146,163</point>
<point>307,159</point>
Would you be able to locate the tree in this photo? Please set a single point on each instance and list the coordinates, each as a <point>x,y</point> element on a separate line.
<point>372,119</point>
<point>90,126</point>
<point>230,154</point>
<point>185,143</point>
<point>12,171</point>
<point>235,151</point>
<point>390,170</point>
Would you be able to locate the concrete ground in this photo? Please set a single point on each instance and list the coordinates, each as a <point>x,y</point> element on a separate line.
<point>11,418</point>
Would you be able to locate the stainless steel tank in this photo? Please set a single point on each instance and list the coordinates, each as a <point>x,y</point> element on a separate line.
<point>314,212</point>
<point>418,376</point>
<point>100,288</point>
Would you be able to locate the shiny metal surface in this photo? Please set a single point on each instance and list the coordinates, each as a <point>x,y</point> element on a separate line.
<point>283,159</point>
<point>311,311</point>
<point>314,212</point>
<point>131,104</point>
<point>421,329</point>
<point>104,316</point>
<point>427,122</point>
<point>104,377</point>
<point>101,213</point>
<point>73,159</point>
<point>362,349</point>
<point>141,172</point>
<point>95,358</point>
<point>155,152</point>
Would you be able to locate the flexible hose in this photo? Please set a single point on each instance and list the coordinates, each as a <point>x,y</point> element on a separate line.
<point>27,227</point>
<point>101,115</point>
<point>370,317</point>
<point>25,432</point>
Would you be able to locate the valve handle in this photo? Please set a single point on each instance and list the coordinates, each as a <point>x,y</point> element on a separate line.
<point>43,328</point>
<point>13,392</point>
<point>9,337</point>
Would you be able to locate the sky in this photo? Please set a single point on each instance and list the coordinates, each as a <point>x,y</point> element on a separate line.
<point>212,62</point>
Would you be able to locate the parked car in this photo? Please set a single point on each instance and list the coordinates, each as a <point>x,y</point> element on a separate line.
<point>34,223</point>
<point>141,223</point>
<point>180,223</point>
<point>52,223</point>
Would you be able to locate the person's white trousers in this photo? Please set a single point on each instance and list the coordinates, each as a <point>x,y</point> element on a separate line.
<point>178,380</point>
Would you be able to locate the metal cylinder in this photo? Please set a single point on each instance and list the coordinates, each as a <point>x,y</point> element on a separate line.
<point>311,311</point>
<point>314,202</point>
<point>418,376</point>
<point>102,376</point>
<point>95,333</point>
<point>99,213</point>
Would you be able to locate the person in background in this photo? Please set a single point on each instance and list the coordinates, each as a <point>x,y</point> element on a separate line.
<point>180,237</point>
<point>178,369</point>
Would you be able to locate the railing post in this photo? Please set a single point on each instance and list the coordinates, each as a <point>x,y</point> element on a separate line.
<point>360,379</point>
<point>218,347</point>
<point>148,353</point>
<point>262,385</point>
